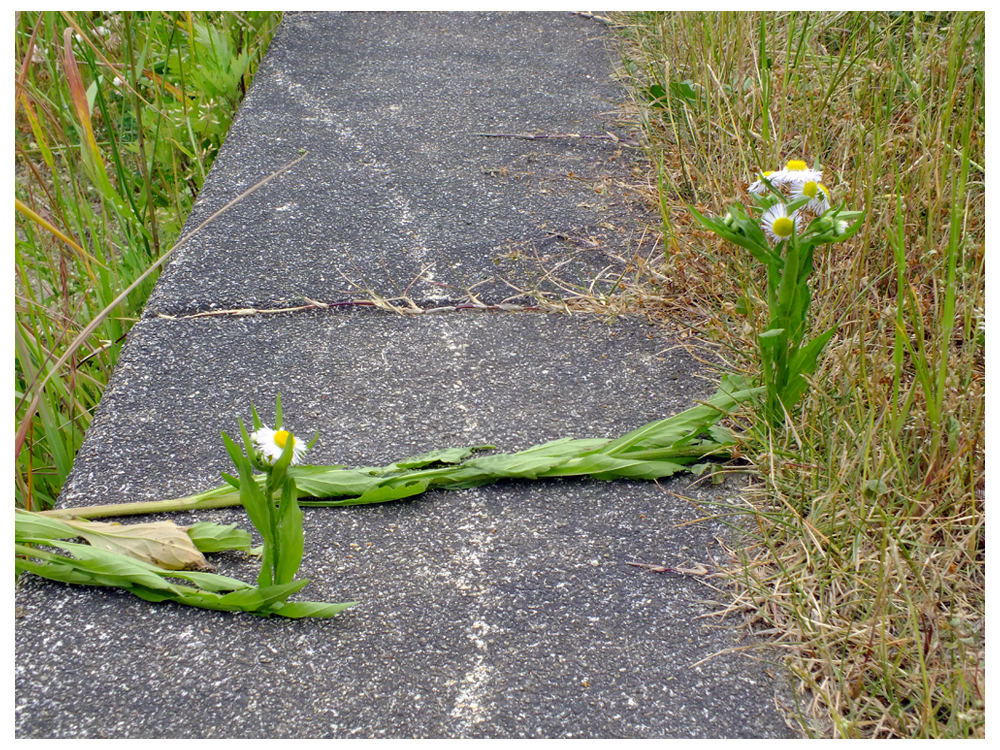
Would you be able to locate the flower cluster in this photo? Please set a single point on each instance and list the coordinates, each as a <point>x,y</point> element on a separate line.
<point>790,218</point>
<point>796,184</point>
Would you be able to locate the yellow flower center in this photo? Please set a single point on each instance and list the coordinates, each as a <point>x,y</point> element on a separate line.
<point>795,165</point>
<point>283,436</point>
<point>810,189</point>
<point>783,226</point>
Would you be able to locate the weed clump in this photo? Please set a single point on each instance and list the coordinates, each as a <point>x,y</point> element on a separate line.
<point>869,525</point>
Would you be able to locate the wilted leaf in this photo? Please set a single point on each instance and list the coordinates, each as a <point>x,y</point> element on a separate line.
<point>162,543</point>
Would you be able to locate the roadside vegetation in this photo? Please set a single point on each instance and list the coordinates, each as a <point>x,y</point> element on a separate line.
<point>118,118</point>
<point>866,560</point>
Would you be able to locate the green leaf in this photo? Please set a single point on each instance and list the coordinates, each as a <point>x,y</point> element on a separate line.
<point>254,599</point>
<point>684,90</point>
<point>601,466</point>
<point>744,232</point>
<point>212,581</point>
<point>114,565</point>
<point>308,609</point>
<point>64,573</point>
<point>251,494</point>
<point>721,435</point>
<point>291,538</point>
<point>333,481</point>
<point>382,494</point>
<point>445,456</point>
<point>214,537</point>
<point>689,423</point>
<point>803,363</point>
<point>875,487</point>
<point>33,526</point>
<point>699,469</point>
<point>95,567</point>
<point>235,454</point>
<point>566,447</point>
<point>513,466</point>
<point>657,95</point>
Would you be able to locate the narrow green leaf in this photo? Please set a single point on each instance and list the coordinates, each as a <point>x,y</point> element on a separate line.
<point>308,609</point>
<point>33,526</point>
<point>251,494</point>
<point>445,456</point>
<point>333,481</point>
<point>114,565</point>
<point>513,466</point>
<point>291,538</point>
<point>566,447</point>
<point>64,573</point>
<point>803,363</point>
<point>254,599</point>
<point>602,466</point>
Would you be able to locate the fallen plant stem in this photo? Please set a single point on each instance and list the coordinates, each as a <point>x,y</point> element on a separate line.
<point>656,450</point>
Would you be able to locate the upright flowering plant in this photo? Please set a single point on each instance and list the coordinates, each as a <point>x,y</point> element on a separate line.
<point>279,523</point>
<point>793,217</point>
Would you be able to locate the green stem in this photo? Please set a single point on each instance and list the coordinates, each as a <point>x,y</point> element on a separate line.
<point>220,497</point>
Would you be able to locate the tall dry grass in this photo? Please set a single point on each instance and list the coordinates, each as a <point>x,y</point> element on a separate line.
<point>868,557</point>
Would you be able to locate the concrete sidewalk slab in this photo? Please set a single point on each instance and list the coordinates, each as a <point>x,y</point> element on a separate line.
<point>502,611</point>
<point>399,193</point>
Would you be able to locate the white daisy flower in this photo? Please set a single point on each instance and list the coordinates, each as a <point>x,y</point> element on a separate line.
<point>796,172</point>
<point>760,187</point>
<point>816,192</point>
<point>271,444</point>
<point>778,225</point>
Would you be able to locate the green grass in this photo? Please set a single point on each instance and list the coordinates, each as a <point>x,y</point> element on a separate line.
<point>118,118</point>
<point>869,551</point>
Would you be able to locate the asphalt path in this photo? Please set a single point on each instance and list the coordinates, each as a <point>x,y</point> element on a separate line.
<point>519,609</point>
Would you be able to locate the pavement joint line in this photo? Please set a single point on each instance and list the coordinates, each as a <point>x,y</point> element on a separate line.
<point>412,309</point>
<point>608,136</point>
